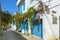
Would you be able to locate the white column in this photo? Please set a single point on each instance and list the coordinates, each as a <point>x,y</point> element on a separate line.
<point>27,3</point>
<point>29,27</point>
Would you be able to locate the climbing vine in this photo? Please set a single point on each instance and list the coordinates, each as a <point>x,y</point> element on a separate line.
<point>30,14</point>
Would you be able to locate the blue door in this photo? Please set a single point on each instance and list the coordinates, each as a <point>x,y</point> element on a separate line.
<point>24,25</point>
<point>37,29</point>
<point>21,26</point>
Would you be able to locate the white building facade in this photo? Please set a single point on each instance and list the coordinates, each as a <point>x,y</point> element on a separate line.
<point>51,20</point>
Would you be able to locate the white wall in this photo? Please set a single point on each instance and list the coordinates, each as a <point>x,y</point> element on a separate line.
<point>13,27</point>
<point>27,2</point>
<point>18,2</point>
<point>48,26</point>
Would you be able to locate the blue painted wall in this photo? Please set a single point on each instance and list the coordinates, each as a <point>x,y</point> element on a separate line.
<point>22,8</point>
<point>20,11</point>
<point>24,25</point>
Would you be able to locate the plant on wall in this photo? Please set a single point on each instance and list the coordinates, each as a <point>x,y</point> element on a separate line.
<point>30,15</point>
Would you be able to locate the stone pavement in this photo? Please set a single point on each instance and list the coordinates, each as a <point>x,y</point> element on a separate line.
<point>30,37</point>
<point>11,35</point>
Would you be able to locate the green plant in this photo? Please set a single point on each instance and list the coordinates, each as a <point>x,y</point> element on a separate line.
<point>30,14</point>
<point>5,18</point>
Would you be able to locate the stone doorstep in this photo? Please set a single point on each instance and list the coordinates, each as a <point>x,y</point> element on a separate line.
<point>37,37</point>
<point>30,37</point>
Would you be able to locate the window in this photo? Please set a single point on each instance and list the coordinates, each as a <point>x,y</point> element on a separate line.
<point>24,6</point>
<point>21,9</point>
<point>54,19</point>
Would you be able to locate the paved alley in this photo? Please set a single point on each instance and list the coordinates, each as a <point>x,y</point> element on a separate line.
<point>11,35</point>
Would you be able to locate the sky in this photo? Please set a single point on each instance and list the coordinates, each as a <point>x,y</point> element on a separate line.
<point>9,5</point>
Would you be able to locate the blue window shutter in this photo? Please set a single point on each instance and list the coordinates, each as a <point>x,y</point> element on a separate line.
<point>21,9</point>
<point>24,5</point>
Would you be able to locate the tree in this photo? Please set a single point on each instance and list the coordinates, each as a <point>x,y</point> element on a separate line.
<point>6,18</point>
<point>16,18</point>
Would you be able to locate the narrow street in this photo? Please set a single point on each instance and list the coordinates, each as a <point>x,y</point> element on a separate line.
<point>11,35</point>
<point>29,20</point>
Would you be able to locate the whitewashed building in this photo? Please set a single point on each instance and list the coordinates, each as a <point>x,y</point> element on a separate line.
<point>50,17</point>
<point>51,21</point>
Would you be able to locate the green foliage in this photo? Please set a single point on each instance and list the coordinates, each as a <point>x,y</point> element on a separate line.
<point>30,14</point>
<point>16,18</point>
<point>5,19</point>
